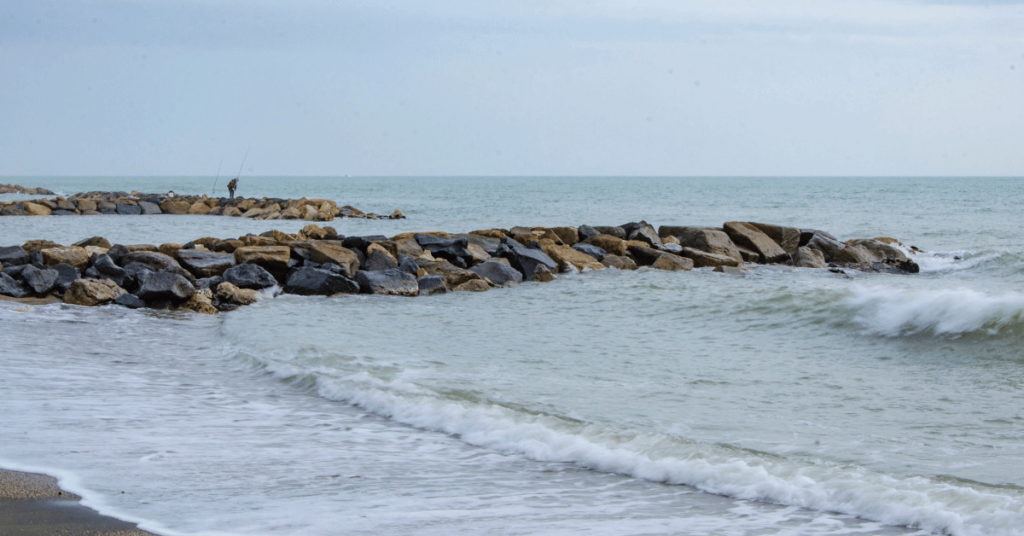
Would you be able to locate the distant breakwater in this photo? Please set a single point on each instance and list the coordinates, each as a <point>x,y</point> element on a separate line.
<point>17,189</point>
<point>209,275</point>
<point>136,203</point>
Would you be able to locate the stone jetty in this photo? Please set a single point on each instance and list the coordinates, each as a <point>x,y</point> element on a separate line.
<point>208,275</point>
<point>16,189</point>
<point>136,203</point>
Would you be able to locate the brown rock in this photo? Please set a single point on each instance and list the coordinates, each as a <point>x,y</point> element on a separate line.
<point>703,259</point>
<point>202,263</point>
<point>407,246</point>
<point>403,236</point>
<point>355,212</point>
<point>384,251</point>
<point>491,233</point>
<point>72,255</point>
<point>66,204</point>
<point>86,204</point>
<point>672,263</point>
<point>396,215</point>
<point>670,240</point>
<point>707,240</point>
<point>644,255</point>
<point>568,235</point>
<point>273,259</point>
<point>291,213</point>
<point>309,213</point>
<point>169,249</point>
<point>809,258</point>
<point>748,256</point>
<point>226,246</point>
<point>748,236</point>
<point>314,232</point>
<point>200,208</point>
<point>611,245</point>
<point>474,285</point>
<point>34,209</point>
<point>543,275</point>
<point>566,256</point>
<point>238,296</point>
<point>280,236</point>
<point>252,240</point>
<point>231,212</point>
<point>883,250</point>
<point>92,292</point>
<point>94,241</point>
<point>788,238</point>
<point>201,302</point>
<point>479,254</point>
<point>619,262</point>
<point>35,245</point>
<point>173,205</point>
<point>453,275</point>
<point>321,252</point>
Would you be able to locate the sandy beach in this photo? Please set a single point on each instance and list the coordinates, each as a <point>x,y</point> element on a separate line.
<point>32,504</point>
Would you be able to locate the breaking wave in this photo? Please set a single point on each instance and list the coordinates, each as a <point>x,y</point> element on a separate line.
<point>889,312</point>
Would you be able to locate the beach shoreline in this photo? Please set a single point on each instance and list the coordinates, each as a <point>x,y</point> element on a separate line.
<point>34,505</point>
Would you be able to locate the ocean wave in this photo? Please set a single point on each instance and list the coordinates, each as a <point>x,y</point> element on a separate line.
<point>892,313</point>
<point>958,509</point>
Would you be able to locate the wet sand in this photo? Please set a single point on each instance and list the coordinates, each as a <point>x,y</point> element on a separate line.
<point>33,505</point>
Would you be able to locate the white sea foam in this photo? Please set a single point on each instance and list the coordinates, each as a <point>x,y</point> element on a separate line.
<point>890,312</point>
<point>917,502</point>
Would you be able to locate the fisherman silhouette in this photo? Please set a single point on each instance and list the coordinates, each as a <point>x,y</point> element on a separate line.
<point>232,186</point>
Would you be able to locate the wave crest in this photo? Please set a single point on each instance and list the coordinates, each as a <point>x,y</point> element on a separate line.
<point>893,313</point>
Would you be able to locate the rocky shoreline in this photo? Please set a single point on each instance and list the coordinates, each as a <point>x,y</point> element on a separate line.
<point>136,203</point>
<point>17,189</point>
<point>209,275</point>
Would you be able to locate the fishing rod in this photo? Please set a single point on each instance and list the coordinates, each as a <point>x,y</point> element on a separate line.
<point>243,161</point>
<point>214,191</point>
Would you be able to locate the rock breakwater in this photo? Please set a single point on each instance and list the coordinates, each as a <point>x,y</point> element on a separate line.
<point>136,203</point>
<point>16,189</point>
<point>208,275</point>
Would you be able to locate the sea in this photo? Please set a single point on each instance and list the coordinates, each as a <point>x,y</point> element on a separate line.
<point>781,401</point>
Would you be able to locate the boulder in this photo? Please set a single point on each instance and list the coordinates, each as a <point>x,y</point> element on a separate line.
<point>92,292</point>
<point>702,259</point>
<point>407,246</point>
<point>669,240</point>
<point>610,244</point>
<point>273,259</point>
<point>706,240</point>
<point>85,205</point>
<point>232,212</point>
<point>238,296</point>
<point>141,247</point>
<point>13,210</point>
<point>788,238</point>
<point>644,232</point>
<point>379,260</point>
<point>407,264</point>
<point>165,286</point>
<point>672,263</point>
<point>809,258</point>
<point>173,205</point>
<point>127,210</point>
<point>569,235</point>
<point>209,282</point>
<point>97,241</point>
<point>202,263</point>
<point>226,246</point>
<point>396,215</point>
<point>453,275</point>
<point>881,249</point>
<point>72,255</point>
<point>249,276</point>
<point>807,234</point>
<point>731,270</point>
<point>105,266</point>
<point>201,302</point>
<point>543,274</point>
<point>323,252</point>
<point>617,232</point>
<point>392,282</point>
<point>748,255</point>
<point>199,208</point>
<point>13,256</point>
<point>430,285</point>
<point>313,231</point>
<point>148,208</point>
<point>10,286</point>
<point>586,232</point>
<point>170,249</point>
<point>566,256</point>
<point>34,209</point>
<point>130,301</point>
<point>748,236</point>
<point>309,281</point>
<point>619,262</point>
<point>66,275</point>
<point>594,251</point>
<point>63,213</point>
<point>498,273</point>
<point>454,250</point>
<point>524,259</point>
<point>476,285</point>
<point>496,234</point>
<point>644,255</point>
<point>33,246</point>
<point>154,259</point>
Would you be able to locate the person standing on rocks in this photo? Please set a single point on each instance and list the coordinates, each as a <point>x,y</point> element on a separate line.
<point>232,186</point>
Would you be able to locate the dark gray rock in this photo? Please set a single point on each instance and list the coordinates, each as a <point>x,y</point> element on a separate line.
<point>11,287</point>
<point>209,282</point>
<point>452,250</point>
<point>587,232</point>
<point>807,234</point>
<point>361,242</point>
<point>106,207</point>
<point>499,273</point>
<point>128,210</point>
<point>108,270</point>
<point>307,281</point>
<point>617,232</point>
<point>13,210</point>
<point>15,271</point>
<point>643,232</point>
<point>249,276</point>
<point>39,281</point>
<point>130,301</point>
<point>202,263</point>
<point>593,251</point>
<point>378,261</point>
<point>524,259</point>
<point>66,274</point>
<point>408,265</point>
<point>431,284</point>
<point>13,256</point>
<point>117,253</point>
<point>487,243</point>
<point>165,286</point>
<point>149,207</point>
<point>392,282</point>
<point>36,259</point>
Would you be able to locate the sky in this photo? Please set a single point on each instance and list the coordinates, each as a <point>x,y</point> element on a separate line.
<point>537,87</point>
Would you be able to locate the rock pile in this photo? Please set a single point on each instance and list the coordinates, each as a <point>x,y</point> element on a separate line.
<point>209,274</point>
<point>16,189</point>
<point>135,203</point>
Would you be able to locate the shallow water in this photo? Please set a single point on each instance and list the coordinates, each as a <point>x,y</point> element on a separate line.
<point>779,402</point>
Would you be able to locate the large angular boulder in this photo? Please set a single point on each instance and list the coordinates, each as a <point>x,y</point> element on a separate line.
<point>203,263</point>
<point>323,252</point>
<point>148,208</point>
<point>498,273</point>
<point>159,262</point>
<point>430,285</point>
<point>130,301</point>
<point>879,248</point>
<point>35,245</point>
<point>72,255</point>
<point>391,282</point>
<point>619,262</point>
<point>608,243</point>
<point>201,302</point>
<point>239,296</point>
<point>642,232</point>
<point>165,286</point>
<point>706,240</point>
<point>66,274</point>
<point>13,256</point>
<point>199,208</point>
<point>125,209</point>
<point>809,258</point>
<point>105,268</point>
<point>309,281</point>
<point>788,238</point>
<point>646,256</point>
<point>672,263</point>
<point>569,235</point>
<point>173,205</point>
<point>594,251</point>
<point>748,236</point>
<point>829,247</point>
<point>567,256</point>
<point>617,232</point>
<point>97,241</point>
<point>476,285</point>
<point>10,286</point>
<point>378,259</point>
<point>273,259</point>
<point>586,232</point>
<point>34,209</point>
<point>453,275</point>
<point>39,281</point>
<point>703,259</point>
<point>92,292</point>
<point>453,250</point>
<point>524,259</point>
<point>13,210</point>
<point>249,276</point>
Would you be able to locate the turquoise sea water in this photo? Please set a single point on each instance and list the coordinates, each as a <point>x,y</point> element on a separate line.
<point>783,401</point>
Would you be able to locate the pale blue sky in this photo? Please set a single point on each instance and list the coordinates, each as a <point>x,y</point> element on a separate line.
<point>553,87</point>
